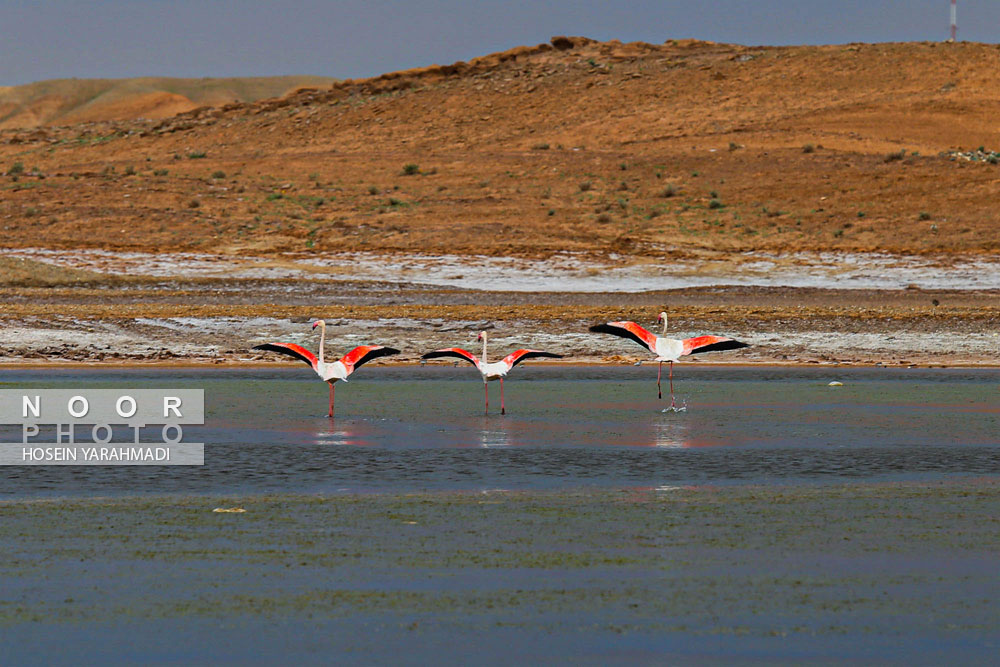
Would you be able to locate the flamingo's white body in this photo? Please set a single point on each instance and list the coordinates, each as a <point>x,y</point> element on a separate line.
<point>667,349</point>
<point>491,371</point>
<point>335,370</point>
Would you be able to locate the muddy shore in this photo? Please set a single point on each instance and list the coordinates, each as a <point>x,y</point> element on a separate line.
<point>219,321</point>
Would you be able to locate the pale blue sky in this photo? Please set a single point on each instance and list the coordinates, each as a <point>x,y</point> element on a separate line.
<point>47,39</point>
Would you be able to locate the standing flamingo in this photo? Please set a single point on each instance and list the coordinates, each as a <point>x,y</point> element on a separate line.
<point>338,370</point>
<point>667,349</point>
<point>495,371</point>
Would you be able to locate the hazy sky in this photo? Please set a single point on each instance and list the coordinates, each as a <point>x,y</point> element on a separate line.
<point>48,39</point>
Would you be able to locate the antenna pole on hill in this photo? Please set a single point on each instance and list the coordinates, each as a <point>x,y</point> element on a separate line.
<point>954,23</point>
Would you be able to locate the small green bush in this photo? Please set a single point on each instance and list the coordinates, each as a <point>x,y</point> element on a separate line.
<point>218,174</point>
<point>410,169</point>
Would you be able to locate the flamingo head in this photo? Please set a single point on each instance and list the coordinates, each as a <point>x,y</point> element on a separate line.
<point>481,336</point>
<point>661,318</point>
<point>318,323</point>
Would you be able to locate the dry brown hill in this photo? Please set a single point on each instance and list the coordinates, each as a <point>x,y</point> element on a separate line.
<point>69,101</point>
<point>654,150</point>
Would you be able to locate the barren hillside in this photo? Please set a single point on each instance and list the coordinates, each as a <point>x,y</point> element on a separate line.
<point>69,101</point>
<point>646,150</point>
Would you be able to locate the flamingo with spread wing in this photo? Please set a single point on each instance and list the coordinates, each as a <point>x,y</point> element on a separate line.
<point>667,349</point>
<point>491,371</point>
<point>337,370</point>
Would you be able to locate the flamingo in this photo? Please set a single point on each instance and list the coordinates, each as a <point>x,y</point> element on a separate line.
<point>667,349</point>
<point>338,370</point>
<point>497,370</point>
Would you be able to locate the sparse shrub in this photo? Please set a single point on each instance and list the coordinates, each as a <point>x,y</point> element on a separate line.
<point>16,168</point>
<point>160,172</point>
<point>196,155</point>
<point>604,217</point>
<point>623,186</point>
<point>713,194</point>
<point>410,169</point>
<point>623,166</point>
<point>130,170</point>
<point>715,203</point>
<point>314,176</point>
<point>668,192</point>
<point>275,195</point>
<point>924,215</point>
<point>395,202</point>
<point>695,174</point>
<point>894,156</point>
<point>838,233</point>
<point>552,211</point>
<point>733,146</point>
<point>31,212</point>
<point>808,148</point>
<point>540,147</point>
<point>218,174</point>
<point>194,203</point>
<point>372,190</point>
<point>993,159</point>
<point>861,214</point>
<point>584,186</point>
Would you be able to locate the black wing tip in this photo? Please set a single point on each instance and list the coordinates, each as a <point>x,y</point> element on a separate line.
<point>601,328</point>
<point>721,347</point>
<point>386,351</point>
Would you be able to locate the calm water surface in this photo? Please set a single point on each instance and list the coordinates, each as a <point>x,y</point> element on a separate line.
<point>423,428</point>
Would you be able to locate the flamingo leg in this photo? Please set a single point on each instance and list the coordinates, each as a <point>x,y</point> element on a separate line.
<point>486,386</point>
<point>330,414</point>
<point>672,403</point>
<point>502,410</point>
<point>659,370</point>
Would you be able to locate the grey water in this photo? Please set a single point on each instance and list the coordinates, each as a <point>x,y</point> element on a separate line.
<point>423,428</point>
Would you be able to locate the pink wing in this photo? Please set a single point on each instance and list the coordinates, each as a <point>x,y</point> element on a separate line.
<point>701,344</point>
<point>363,354</point>
<point>453,352</point>
<point>514,358</point>
<point>291,350</point>
<point>629,330</point>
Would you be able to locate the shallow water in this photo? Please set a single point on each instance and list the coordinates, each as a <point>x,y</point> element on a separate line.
<point>419,428</point>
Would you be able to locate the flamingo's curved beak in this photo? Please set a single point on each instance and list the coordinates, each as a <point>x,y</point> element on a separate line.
<point>315,324</point>
<point>480,336</point>
<point>659,319</point>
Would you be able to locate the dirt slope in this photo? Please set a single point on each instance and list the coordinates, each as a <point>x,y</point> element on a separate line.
<point>637,149</point>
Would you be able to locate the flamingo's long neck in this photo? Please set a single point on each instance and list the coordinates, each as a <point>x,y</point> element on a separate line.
<point>664,324</point>
<point>322,341</point>
<point>484,348</point>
